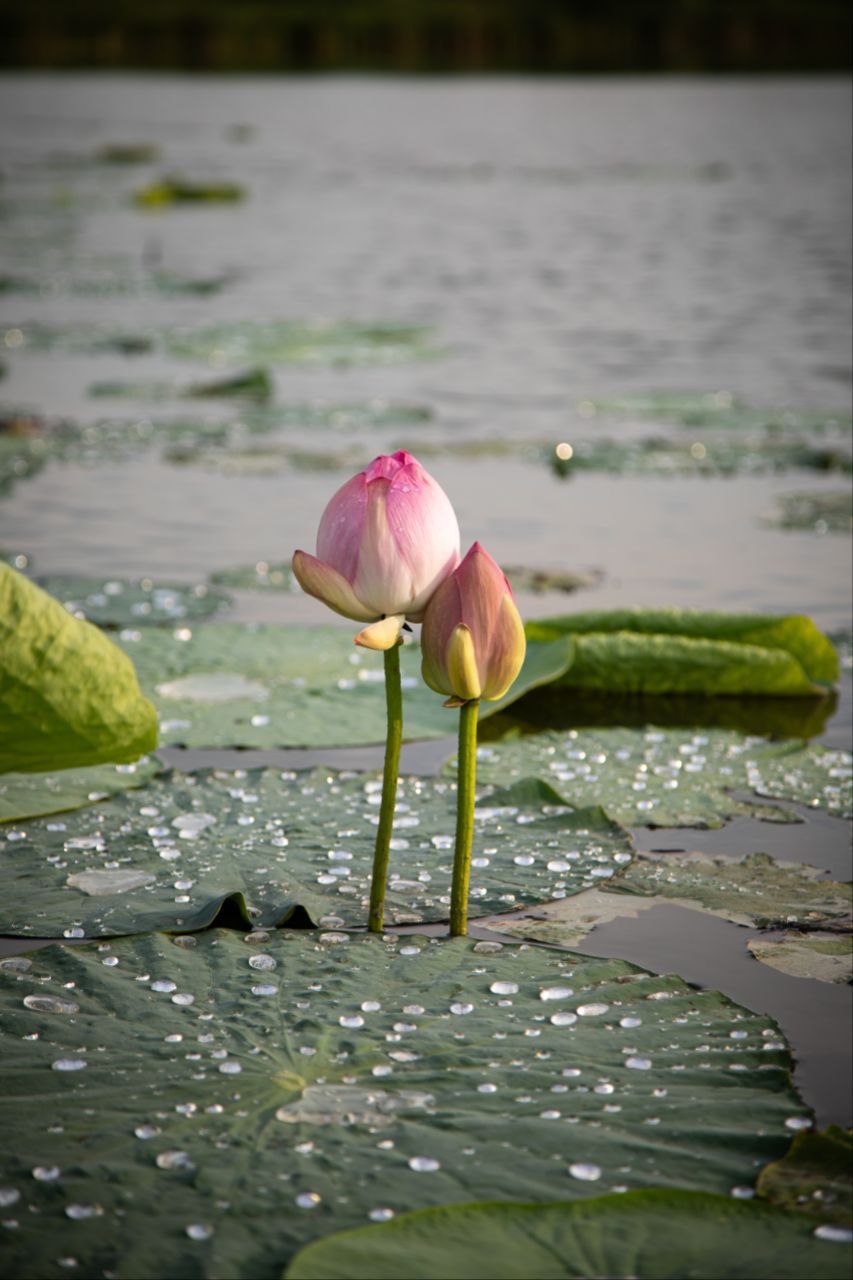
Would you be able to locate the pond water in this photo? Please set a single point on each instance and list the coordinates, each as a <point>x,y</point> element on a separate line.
<point>594,262</point>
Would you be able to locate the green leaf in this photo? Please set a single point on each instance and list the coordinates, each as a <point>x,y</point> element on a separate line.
<point>29,795</point>
<point>820,512</point>
<point>229,685</point>
<point>178,190</point>
<point>675,777</point>
<point>683,649</point>
<point>250,384</point>
<point>815,1176</point>
<point>157,858</point>
<point>648,1235</point>
<point>825,957</point>
<point>133,602</point>
<point>315,1066</point>
<point>68,696</point>
<point>303,342</point>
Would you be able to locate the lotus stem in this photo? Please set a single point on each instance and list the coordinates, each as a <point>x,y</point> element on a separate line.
<point>393,740</point>
<point>464,818</point>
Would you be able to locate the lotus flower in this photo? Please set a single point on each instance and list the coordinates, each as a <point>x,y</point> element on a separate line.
<point>472,637</point>
<point>388,538</point>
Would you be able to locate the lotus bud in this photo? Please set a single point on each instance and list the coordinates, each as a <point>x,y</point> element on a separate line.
<point>472,638</point>
<point>386,541</point>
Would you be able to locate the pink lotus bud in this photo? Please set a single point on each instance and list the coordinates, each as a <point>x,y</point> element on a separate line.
<point>473,638</point>
<point>386,541</point>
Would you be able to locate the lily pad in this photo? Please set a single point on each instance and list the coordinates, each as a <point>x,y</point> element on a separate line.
<point>29,795</point>
<point>122,153</point>
<point>264,575</point>
<point>288,840</point>
<point>676,778</point>
<point>643,1234</point>
<point>303,342</point>
<point>320,689</point>
<point>539,581</point>
<point>177,190</point>
<point>755,891</point>
<point>814,1176</point>
<point>715,409</point>
<point>826,957</point>
<point>756,455</point>
<point>122,602</point>
<point>251,384</point>
<point>818,512</point>
<point>689,650</point>
<point>68,696</point>
<point>248,1096</point>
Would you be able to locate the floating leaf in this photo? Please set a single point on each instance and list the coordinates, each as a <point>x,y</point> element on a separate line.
<point>756,890</point>
<point>128,153</point>
<point>820,512</point>
<point>28,795</point>
<point>251,384</point>
<point>303,342</point>
<point>284,840</point>
<point>540,581</point>
<point>644,1234</point>
<point>753,455</point>
<point>675,778</point>
<point>68,696</point>
<point>814,1176</point>
<point>826,957</point>
<point>122,602</point>
<point>310,1081</point>
<point>310,686</point>
<point>674,650</point>
<point>177,190</point>
<point>264,575</point>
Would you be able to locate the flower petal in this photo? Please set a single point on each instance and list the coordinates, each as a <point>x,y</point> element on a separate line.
<point>462,664</point>
<point>325,583</point>
<point>507,650</point>
<point>383,634</point>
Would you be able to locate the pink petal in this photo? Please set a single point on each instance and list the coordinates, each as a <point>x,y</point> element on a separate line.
<point>341,527</point>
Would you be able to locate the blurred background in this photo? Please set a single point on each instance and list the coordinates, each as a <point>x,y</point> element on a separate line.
<point>590,264</point>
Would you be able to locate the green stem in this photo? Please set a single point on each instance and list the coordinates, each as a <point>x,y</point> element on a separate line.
<point>464,818</point>
<point>394,704</point>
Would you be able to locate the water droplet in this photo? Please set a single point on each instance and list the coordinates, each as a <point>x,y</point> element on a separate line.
<point>555,993</point>
<point>836,1235</point>
<point>184,999</point>
<point>370,1006</point>
<point>461,1009</point>
<point>162,984</point>
<point>592,1010</point>
<point>262,962</point>
<point>563,1018</point>
<point>630,1022</point>
<point>742,1193</point>
<point>308,1200</point>
<point>380,1215</point>
<point>8,1196</point>
<point>424,1164</point>
<point>585,1172</point>
<point>79,1212</point>
<point>264,989</point>
<point>638,1064</point>
<point>504,988</point>
<point>487,948</point>
<point>50,1004</point>
<point>798,1122</point>
<point>174,1160</point>
<point>146,1131</point>
<point>199,1230</point>
<point>230,1068</point>
<point>46,1172</point>
<point>68,1064</point>
<point>351,1020</point>
<point>487,1088</point>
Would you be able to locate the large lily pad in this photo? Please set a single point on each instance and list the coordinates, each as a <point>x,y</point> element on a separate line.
<point>643,1234</point>
<point>760,454</point>
<point>756,891</point>
<point>303,342</point>
<point>159,857</point>
<point>68,696</point>
<point>827,957</point>
<point>249,384</point>
<point>689,650</point>
<point>263,575</point>
<point>818,512</point>
<point>247,1098</point>
<point>716,409</point>
<point>28,795</point>
<point>122,602</point>
<point>228,684</point>
<point>815,1176</point>
<point>676,778</point>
